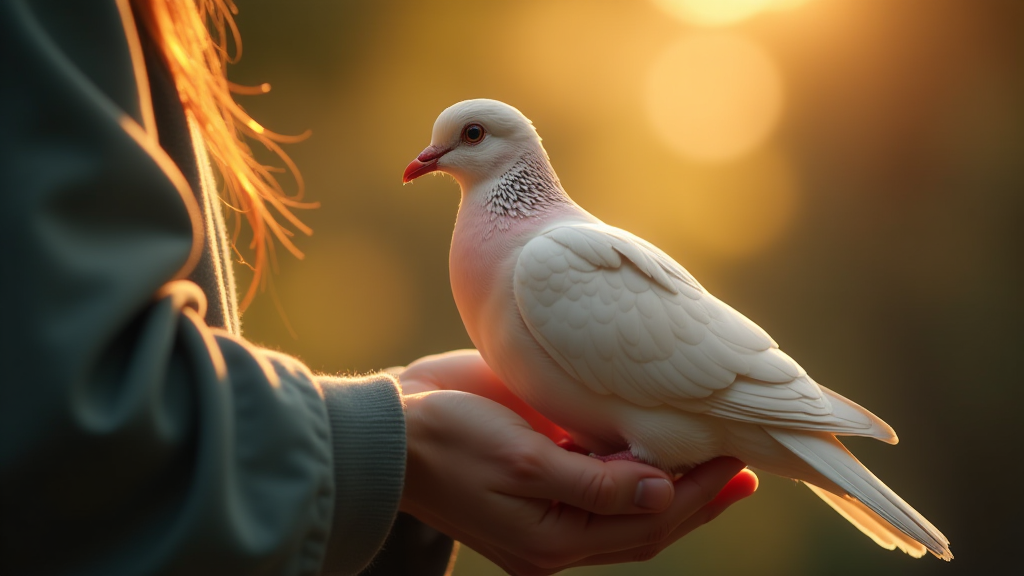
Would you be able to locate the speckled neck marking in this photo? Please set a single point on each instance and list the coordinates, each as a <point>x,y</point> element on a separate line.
<point>526,190</point>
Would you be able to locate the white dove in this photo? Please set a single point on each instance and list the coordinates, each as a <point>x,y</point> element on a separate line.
<point>613,340</point>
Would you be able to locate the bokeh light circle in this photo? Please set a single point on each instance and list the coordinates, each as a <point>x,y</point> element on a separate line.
<point>714,97</point>
<point>713,12</point>
<point>722,12</point>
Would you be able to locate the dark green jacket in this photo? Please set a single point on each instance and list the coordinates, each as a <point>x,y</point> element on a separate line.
<point>139,432</point>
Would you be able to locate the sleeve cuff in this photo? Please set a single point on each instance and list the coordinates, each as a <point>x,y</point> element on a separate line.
<point>368,443</point>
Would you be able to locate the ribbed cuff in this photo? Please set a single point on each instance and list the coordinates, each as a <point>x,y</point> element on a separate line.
<point>368,434</point>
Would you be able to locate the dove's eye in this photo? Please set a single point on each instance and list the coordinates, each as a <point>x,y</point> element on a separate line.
<point>472,133</point>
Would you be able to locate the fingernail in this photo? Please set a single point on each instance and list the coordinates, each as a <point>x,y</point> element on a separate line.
<point>653,493</point>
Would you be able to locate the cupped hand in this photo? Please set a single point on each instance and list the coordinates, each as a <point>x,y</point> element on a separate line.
<point>478,471</point>
<point>466,371</point>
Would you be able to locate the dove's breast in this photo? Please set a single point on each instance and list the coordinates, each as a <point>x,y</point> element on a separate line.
<point>481,268</point>
<point>482,259</point>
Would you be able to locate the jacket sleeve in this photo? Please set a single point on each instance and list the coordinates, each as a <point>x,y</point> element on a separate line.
<point>134,439</point>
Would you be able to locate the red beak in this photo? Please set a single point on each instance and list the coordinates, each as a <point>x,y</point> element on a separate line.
<point>424,163</point>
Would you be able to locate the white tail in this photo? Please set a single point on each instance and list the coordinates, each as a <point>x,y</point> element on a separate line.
<point>874,508</point>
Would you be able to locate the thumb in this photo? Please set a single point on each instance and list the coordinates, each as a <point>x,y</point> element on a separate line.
<point>616,487</point>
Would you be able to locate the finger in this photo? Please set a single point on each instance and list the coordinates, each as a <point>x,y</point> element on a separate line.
<point>466,370</point>
<point>693,491</point>
<point>395,371</point>
<point>476,377</point>
<point>556,557</point>
<point>566,535</point>
<point>739,487</point>
<point>415,386</point>
<point>742,485</point>
<point>454,370</point>
<point>617,487</point>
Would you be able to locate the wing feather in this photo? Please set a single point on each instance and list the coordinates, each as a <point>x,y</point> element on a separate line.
<point>625,319</point>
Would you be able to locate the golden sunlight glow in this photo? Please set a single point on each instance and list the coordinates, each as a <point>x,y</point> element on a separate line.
<point>714,97</point>
<point>712,12</point>
<point>721,12</point>
<point>732,210</point>
<point>787,4</point>
<point>364,295</point>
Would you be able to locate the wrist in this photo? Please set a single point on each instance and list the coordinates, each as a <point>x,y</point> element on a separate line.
<point>411,404</point>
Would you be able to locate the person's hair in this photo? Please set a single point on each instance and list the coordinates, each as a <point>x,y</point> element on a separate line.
<point>196,38</point>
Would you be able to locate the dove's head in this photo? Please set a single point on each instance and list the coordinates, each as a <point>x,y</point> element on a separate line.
<point>476,141</point>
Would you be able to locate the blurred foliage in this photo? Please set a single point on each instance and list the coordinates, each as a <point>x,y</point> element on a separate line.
<point>875,232</point>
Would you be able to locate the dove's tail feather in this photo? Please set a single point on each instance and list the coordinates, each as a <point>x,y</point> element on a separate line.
<point>877,510</point>
<point>883,533</point>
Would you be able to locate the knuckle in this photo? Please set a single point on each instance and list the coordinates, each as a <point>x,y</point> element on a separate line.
<point>523,466</point>
<point>598,491</point>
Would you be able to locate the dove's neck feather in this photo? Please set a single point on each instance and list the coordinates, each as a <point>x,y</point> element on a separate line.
<point>527,196</point>
<point>528,189</point>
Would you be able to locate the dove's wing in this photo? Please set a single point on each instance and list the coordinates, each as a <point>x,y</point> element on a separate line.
<point>626,319</point>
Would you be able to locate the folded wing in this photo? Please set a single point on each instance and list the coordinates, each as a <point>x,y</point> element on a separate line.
<point>626,319</point>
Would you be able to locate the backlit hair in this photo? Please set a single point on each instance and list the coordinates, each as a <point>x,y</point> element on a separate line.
<point>196,37</point>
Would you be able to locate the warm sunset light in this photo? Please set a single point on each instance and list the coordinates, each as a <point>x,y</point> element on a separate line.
<point>844,173</point>
<point>721,12</point>
<point>787,4</point>
<point>712,12</point>
<point>739,209</point>
<point>714,97</point>
<point>730,210</point>
<point>365,284</point>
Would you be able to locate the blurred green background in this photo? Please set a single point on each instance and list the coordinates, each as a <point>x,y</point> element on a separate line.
<point>847,173</point>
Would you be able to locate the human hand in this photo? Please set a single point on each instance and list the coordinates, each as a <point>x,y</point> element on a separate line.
<point>466,370</point>
<point>478,472</point>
